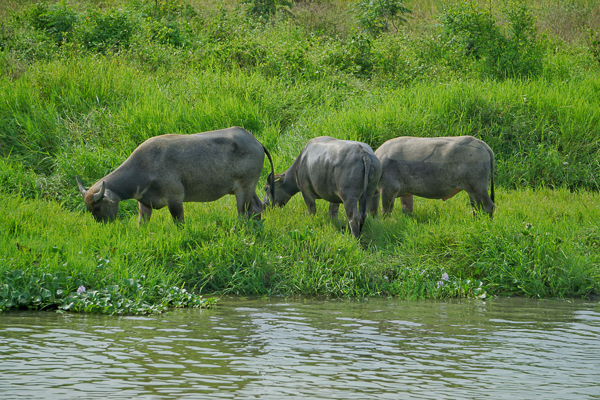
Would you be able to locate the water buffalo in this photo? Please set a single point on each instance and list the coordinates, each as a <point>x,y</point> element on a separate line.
<point>339,171</point>
<point>169,170</point>
<point>434,168</point>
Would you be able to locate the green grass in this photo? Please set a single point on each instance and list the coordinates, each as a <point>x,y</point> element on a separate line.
<point>69,109</point>
<point>58,125</point>
<point>541,243</point>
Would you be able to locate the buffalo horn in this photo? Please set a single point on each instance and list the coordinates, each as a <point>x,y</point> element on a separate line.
<point>81,188</point>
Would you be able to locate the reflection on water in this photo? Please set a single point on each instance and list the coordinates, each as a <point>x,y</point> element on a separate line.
<point>275,349</point>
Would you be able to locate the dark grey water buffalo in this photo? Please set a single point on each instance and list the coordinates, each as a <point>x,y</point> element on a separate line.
<point>339,171</point>
<point>434,168</point>
<point>169,170</point>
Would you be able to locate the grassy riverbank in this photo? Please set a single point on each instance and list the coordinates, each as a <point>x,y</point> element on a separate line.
<point>82,86</point>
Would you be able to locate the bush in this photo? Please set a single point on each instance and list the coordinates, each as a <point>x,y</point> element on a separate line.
<point>56,20</point>
<point>594,44</point>
<point>165,33</point>
<point>502,52</point>
<point>108,30</point>
<point>354,56</point>
<point>376,16</point>
<point>265,10</point>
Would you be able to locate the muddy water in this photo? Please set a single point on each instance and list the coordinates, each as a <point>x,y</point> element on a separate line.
<point>306,349</point>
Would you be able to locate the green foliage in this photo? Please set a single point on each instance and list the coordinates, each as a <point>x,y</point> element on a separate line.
<point>511,50</point>
<point>131,297</point>
<point>166,9</point>
<point>376,16</point>
<point>528,262</point>
<point>448,287</point>
<point>594,43</point>
<point>166,21</point>
<point>265,10</point>
<point>353,56</point>
<point>56,20</point>
<point>104,31</point>
<point>540,243</point>
<point>24,289</point>
<point>165,33</point>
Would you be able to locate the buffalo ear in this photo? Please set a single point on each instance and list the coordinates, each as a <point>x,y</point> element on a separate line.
<point>98,196</point>
<point>81,188</point>
<point>270,178</point>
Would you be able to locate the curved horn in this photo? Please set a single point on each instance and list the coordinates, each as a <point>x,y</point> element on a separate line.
<point>98,196</point>
<point>81,188</point>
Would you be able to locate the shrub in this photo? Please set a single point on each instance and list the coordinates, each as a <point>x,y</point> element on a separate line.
<point>265,10</point>
<point>353,56</point>
<point>326,19</point>
<point>395,60</point>
<point>376,16</point>
<point>56,20</point>
<point>165,33</point>
<point>107,30</point>
<point>502,52</point>
<point>594,44</point>
<point>243,54</point>
<point>166,9</point>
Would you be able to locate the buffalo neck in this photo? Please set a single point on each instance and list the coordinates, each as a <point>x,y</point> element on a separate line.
<point>125,185</point>
<point>290,180</point>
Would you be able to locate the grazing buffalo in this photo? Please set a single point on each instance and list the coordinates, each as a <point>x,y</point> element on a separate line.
<point>434,168</point>
<point>339,171</point>
<point>169,170</point>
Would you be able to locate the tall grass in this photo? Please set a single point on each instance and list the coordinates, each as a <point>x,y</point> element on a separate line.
<point>58,124</point>
<point>540,243</point>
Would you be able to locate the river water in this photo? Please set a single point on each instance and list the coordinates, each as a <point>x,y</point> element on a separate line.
<point>309,349</point>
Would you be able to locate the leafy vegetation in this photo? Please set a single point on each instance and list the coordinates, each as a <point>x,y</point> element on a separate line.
<point>376,16</point>
<point>504,50</point>
<point>82,85</point>
<point>21,289</point>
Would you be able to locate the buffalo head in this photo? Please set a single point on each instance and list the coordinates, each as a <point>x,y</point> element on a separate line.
<point>101,203</point>
<point>277,189</point>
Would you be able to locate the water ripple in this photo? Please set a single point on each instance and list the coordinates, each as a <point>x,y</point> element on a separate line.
<point>270,349</point>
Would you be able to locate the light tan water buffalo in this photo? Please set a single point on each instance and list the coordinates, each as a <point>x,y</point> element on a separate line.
<point>169,170</point>
<point>339,171</point>
<point>434,168</point>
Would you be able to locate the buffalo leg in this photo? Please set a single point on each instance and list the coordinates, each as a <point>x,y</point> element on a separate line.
<point>482,202</point>
<point>374,204</point>
<point>311,203</point>
<point>247,203</point>
<point>407,203</point>
<point>354,218</point>
<point>473,205</point>
<point>144,213</point>
<point>472,202</point>
<point>362,216</point>
<point>256,207</point>
<point>176,209</point>
<point>334,209</point>
<point>387,203</point>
